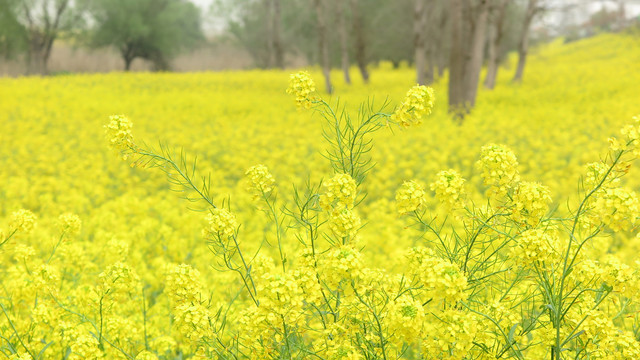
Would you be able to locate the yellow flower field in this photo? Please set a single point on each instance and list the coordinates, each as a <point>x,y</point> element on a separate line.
<point>511,235</point>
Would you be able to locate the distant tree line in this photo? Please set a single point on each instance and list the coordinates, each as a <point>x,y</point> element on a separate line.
<point>434,36</point>
<point>155,30</point>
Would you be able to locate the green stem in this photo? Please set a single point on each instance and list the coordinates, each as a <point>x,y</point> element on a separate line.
<point>182,174</point>
<point>8,237</point>
<point>56,247</point>
<point>15,331</point>
<point>274,215</point>
<point>144,319</point>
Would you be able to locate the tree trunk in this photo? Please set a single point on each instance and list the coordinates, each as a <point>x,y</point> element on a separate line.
<point>495,41</point>
<point>277,39</point>
<point>127,53</point>
<point>468,28</point>
<point>439,48</point>
<point>523,44</point>
<point>323,43</point>
<point>127,64</point>
<point>419,29</point>
<point>344,41</point>
<point>36,64</point>
<point>429,75</point>
<point>360,44</point>
<point>457,104</point>
<point>492,54</point>
<point>474,64</point>
<point>159,62</point>
<point>432,33</point>
<point>37,56</point>
<point>270,56</point>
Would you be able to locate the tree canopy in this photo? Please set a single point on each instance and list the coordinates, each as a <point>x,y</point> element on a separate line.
<point>155,30</point>
<point>13,35</point>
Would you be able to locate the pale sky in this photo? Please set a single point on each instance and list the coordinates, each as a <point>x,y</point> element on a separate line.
<point>205,5</point>
<point>202,3</point>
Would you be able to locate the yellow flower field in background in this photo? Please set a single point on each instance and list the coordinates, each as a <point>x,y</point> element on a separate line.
<point>100,258</point>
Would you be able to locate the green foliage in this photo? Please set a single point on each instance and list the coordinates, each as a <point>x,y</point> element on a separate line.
<point>155,30</point>
<point>396,45</point>
<point>13,35</point>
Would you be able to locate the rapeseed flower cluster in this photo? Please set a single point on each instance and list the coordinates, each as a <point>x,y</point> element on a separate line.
<point>192,318</point>
<point>619,208</point>
<point>343,263</point>
<point>69,223</point>
<point>499,167</point>
<point>530,202</point>
<point>23,220</point>
<point>119,133</point>
<point>417,104</point>
<point>449,189</point>
<point>451,335</point>
<point>630,137</point>
<point>442,280</point>
<point>192,321</point>
<point>596,173</point>
<point>85,346</point>
<point>118,277</point>
<point>344,222</point>
<point>410,197</point>
<point>221,225</point>
<point>182,284</point>
<point>302,86</point>
<point>339,192</point>
<point>535,247</point>
<point>407,318</point>
<point>338,199</point>
<point>261,179</point>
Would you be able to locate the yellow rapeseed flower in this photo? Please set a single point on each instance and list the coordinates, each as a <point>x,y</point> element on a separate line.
<point>417,104</point>
<point>23,220</point>
<point>69,223</point>
<point>449,189</point>
<point>339,192</point>
<point>302,86</point>
<point>119,133</point>
<point>220,223</point>
<point>261,179</point>
<point>410,197</point>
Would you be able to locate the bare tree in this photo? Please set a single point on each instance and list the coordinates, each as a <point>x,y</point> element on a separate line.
<point>359,40</point>
<point>277,39</point>
<point>435,39</point>
<point>456,58</point>
<point>440,49</point>
<point>273,41</point>
<point>43,20</point>
<point>478,20</point>
<point>419,41</point>
<point>323,42</point>
<point>468,28</point>
<point>268,21</point>
<point>496,33</point>
<point>344,40</point>
<point>523,43</point>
